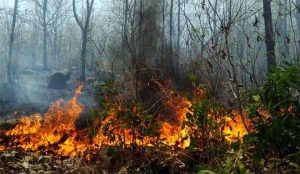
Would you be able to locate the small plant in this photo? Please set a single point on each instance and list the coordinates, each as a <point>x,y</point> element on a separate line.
<point>127,123</point>
<point>232,162</point>
<point>202,121</point>
<point>107,91</point>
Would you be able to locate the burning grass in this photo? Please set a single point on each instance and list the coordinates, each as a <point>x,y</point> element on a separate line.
<point>119,125</point>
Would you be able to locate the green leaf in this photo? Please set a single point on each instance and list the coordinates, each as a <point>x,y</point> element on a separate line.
<point>256,98</point>
<point>294,165</point>
<point>206,172</point>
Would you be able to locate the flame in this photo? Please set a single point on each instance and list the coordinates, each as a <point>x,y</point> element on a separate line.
<point>55,131</point>
<point>172,133</point>
<point>37,132</point>
<point>234,129</point>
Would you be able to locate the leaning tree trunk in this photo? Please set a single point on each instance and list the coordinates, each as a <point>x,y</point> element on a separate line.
<point>269,35</point>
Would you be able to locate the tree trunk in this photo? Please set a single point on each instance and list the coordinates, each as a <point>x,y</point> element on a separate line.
<point>171,62</point>
<point>282,30</point>
<point>125,31</point>
<point>84,31</point>
<point>137,61</point>
<point>269,35</point>
<point>162,39</point>
<point>83,54</point>
<point>55,47</point>
<point>45,49</point>
<point>177,75</point>
<point>140,30</point>
<point>33,45</point>
<point>298,26</point>
<point>10,77</point>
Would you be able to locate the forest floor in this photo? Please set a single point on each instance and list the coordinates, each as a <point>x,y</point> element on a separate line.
<point>107,159</point>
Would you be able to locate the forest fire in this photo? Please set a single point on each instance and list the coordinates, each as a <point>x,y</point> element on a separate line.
<point>56,132</point>
<point>234,129</point>
<point>36,131</point>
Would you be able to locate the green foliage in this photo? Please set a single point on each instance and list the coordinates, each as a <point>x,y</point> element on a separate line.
<point>115,117</point>
<point>205,172</point>
<point>107,91</point>
<point>194,79</point>
<point>280,131</point>
<point>231,163</point>
<point>202,122</point>
<point>282,89</point>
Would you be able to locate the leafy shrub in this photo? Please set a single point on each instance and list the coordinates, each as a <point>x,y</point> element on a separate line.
<point>202,120</point>
<point>281,90</point>
<point>130,117</point>
<point>279,130</point>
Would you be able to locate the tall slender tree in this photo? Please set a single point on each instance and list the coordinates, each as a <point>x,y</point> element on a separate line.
<point>171,37</point>
<point>84,27</point>
<point>42,13</point>
<point>45,33</point>
<point>46,18</point>
<point>298,26</point>
<point>269,34</point>
<point>178,40</point>
<point>10,52</point>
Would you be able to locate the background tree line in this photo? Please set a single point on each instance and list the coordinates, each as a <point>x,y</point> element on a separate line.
<point>226,43</point>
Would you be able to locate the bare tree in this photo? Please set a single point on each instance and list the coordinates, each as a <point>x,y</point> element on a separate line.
<point>84,26</point>
<point>59,19</point>
<point>42,13</point>
<point>11,43</point>
<point>45,17</point>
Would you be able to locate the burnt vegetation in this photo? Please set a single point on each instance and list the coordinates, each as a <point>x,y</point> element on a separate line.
<point>140,86</point>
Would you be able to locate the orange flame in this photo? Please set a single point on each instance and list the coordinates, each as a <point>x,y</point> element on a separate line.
<point>234,129</point>
<point>56,131</point>
<point>36,131</point>
<point>173,134</point>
